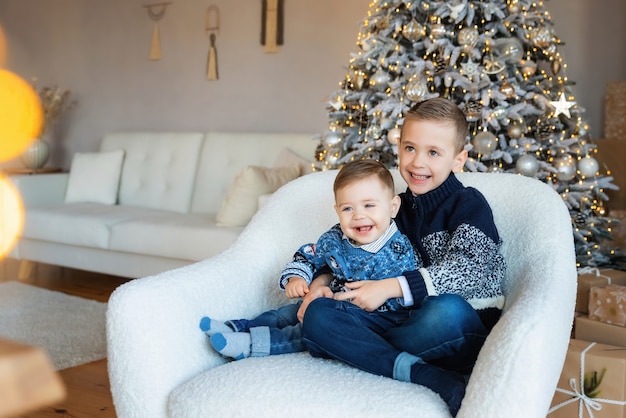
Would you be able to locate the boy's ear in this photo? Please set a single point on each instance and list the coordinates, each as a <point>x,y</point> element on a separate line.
<point>395,205</point>
<point>459,161</point>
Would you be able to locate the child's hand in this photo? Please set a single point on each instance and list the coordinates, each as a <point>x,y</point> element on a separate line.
<point>316,292</point>
<point>296,287</point>
<point>369,295</point>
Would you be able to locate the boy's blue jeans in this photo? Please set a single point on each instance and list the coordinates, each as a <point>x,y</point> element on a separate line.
<point>445,331</point>
<point>273,332</point>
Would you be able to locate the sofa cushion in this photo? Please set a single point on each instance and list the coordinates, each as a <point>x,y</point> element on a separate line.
<point>159,168</point>
<point>83,224</point>
<point>252,182</point>
<point>94,177</point>
<point>187,237</point>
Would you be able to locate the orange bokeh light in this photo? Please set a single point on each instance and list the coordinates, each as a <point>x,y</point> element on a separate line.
<point>11,215</point>
<point>20,115</point>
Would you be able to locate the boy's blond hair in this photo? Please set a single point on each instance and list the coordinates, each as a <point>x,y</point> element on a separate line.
<point>361,169</point>
<point>440,110</point>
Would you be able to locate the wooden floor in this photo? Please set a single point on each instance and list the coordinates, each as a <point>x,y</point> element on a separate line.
<point>88,393</point>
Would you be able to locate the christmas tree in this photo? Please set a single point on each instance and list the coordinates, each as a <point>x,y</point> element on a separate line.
<point>499,61</point>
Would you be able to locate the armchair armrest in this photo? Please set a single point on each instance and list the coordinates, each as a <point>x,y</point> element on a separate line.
<point>41,189</point>
<point>154,340</point>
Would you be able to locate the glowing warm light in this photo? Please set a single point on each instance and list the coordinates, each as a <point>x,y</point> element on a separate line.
<point>20,115</point>
<point>11,215</point>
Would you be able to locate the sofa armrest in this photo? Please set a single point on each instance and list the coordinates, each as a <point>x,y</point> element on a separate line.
<point>41,189</point>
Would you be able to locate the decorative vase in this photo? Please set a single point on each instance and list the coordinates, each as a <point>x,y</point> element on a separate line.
<point>37,154</point>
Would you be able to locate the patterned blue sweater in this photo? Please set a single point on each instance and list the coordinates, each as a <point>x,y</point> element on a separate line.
<point>453,230</point>
<point>388,256</point>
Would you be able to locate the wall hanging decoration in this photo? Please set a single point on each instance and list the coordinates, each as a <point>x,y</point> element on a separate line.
<point>272,25</point>
<point>156,11</point>
<point>212,28</point>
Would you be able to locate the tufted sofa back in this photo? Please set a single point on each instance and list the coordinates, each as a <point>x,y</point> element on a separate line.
<point>191,172</point>
<point>158,170</point>
<point>224,155</point>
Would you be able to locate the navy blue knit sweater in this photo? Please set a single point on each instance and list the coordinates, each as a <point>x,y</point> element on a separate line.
<point>453,230</point>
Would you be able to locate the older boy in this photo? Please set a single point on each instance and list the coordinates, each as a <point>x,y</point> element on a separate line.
<point>456,296</point>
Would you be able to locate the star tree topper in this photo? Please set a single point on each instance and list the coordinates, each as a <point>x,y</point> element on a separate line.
<point>562,106</point>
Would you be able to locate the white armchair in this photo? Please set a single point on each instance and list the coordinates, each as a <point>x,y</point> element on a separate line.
<point>161,365</point>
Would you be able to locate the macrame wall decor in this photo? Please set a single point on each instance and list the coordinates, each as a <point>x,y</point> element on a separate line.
<point>156,11</point>
<point>212,27</point>
<point>272,25</point>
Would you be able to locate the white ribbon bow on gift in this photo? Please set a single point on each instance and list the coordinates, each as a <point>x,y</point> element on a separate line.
<point>579,394</point>
<point>593,270</point>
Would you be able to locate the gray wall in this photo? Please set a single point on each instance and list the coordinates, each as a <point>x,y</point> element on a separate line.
<point>99,49</point>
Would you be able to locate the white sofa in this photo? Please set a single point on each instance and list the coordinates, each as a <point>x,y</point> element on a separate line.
<point>161,364</point>
<point>171,188</point>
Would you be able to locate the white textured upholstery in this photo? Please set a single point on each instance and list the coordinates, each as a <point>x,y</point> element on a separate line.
<point>160,363</point>
<point>158,170</point>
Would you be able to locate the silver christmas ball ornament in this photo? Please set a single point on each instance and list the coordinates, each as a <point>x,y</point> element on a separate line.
<point>417,89</point>
<point>373,132</point>
<point>437,30</point>
<point>588,166</point>
<point>565,167</point>
<point>413,31</point>
<point>468,37</point>
<point>379,80</point>
<point>511,49</point>
<point>485,142</point>
<point>527,165</point>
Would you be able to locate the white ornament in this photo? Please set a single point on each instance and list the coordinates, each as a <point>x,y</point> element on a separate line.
<point>393,135</point>
<point>565,167</point>
<point>470,69</point>
<point>588,166</point>
<point>527,165</point>
<point>379,80</point>
<point>332,138</point>
<point>562,106</point>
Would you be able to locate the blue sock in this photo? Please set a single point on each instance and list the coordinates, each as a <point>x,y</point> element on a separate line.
<point>447,384</point>
<point>212,326</point>
<point>236,345</point>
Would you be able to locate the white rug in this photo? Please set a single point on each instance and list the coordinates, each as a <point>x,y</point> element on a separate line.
<point>72,330</point>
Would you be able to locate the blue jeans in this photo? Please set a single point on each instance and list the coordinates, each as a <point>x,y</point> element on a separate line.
<point>445,331</point>
<point>273,332</point>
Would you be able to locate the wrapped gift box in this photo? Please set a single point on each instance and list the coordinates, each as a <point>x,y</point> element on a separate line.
<point>595,278</point>
<point>607,304</point>
<point>590,330</point>
<point>603,375</point>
